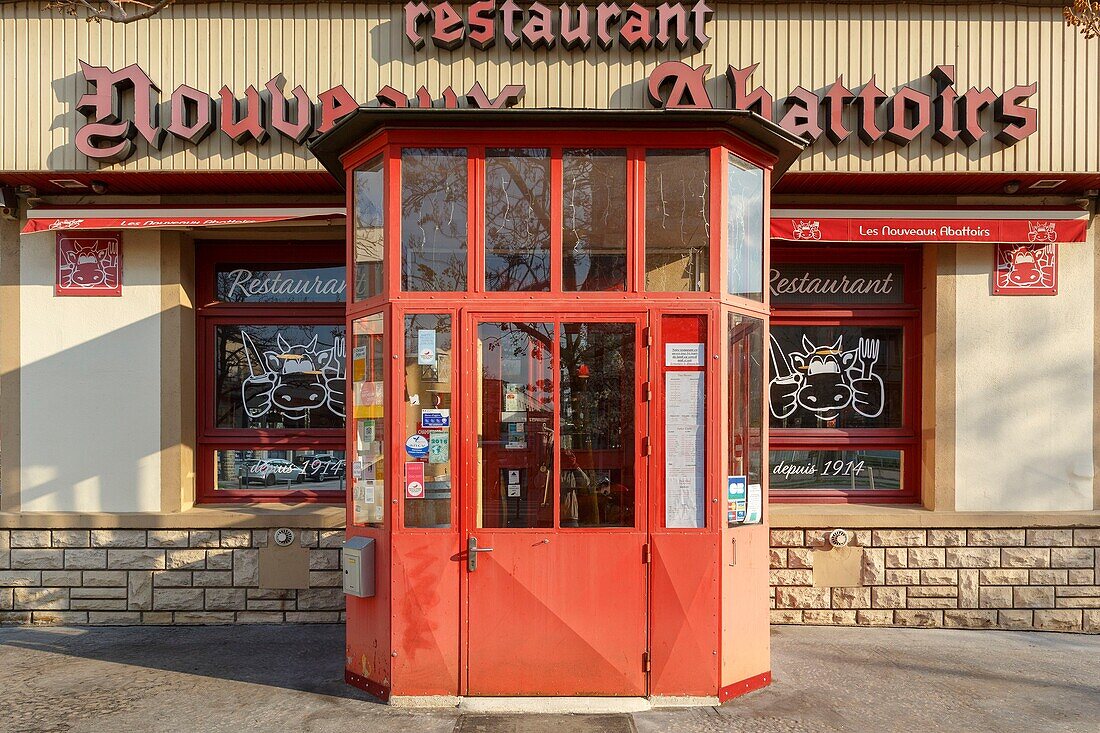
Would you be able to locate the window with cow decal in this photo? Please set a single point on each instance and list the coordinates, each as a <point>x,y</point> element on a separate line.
<point>284,376</point>
<point>843,394</point>
<point>271,351</point>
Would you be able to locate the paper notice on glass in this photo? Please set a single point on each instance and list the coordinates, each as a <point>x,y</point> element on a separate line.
<point>755,507</point>
<point>684,355</point>
<point>363,502</point>
<point>513,397</point>
<point>685,458</point>
<point>425,347</point>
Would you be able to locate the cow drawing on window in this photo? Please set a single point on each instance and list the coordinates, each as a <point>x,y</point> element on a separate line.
<point>294,380</point>
<point>826,380</point>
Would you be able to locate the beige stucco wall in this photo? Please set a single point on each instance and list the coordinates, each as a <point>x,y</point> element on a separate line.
<point>362,46</point>
<point>1024,399</point>
<point>90,386</point>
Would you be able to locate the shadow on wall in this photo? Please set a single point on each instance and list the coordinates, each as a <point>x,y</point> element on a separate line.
<point>90,427</point>
<point>1024,389</point>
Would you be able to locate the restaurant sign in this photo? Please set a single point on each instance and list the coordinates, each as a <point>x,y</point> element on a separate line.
<point>834,113</point>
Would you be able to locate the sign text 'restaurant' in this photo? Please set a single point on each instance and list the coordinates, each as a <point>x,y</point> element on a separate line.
<point>535,25</point>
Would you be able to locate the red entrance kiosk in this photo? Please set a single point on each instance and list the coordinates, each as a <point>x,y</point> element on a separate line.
<point>556,428</point>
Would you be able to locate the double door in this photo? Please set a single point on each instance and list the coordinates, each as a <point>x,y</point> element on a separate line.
<point>554,505</point>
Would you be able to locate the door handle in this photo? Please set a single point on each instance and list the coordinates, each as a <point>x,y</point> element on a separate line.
<point>471,553</point>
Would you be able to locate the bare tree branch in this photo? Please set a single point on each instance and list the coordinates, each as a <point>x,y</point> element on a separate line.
<point>114,11</point>
<point>1084,15</point>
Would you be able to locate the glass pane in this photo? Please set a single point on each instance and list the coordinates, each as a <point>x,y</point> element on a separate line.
<point>517,219</point>
<point>369,413</point>
<point>836,377</point>
<point>594,220</point>
<point>846,283</point>
<point>279,376</point>
<point>836,470</point>
<point>516,425</point>
<point>597,425</point>
<point>369,220</point>
<point>428,360</point>
<point>745,229</point>
<point>291,283</point>
<point>433,219</point>
<point>677,220</point>
<point>279,469</point>
<point>746,409</point>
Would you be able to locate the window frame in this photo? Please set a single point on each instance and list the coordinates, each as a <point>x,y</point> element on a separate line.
<point>906,315</point>
<point>391,143</point>
<point>211,313</point>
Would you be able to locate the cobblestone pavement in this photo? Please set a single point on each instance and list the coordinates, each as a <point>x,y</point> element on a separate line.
<point>289,678</point>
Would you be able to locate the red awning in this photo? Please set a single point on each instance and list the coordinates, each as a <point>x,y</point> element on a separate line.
<point>1042,226</point>
<point>44,220</point>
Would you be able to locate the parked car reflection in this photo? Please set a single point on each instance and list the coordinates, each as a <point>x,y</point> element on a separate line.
<point>324,469</point>
<point>270,472</point>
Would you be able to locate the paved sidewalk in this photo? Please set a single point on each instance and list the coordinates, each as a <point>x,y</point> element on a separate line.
<point>289,678</point>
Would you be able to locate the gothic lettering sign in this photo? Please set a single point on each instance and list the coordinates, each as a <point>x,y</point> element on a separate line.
<point>834,113</point>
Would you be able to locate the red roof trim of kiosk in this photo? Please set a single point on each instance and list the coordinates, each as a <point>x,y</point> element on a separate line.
<point>960,226</point>
<point>43,220</point>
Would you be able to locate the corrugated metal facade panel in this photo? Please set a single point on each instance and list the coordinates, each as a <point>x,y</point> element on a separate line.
<point>362,46</point>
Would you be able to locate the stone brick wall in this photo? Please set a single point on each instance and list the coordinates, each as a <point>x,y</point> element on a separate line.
<point>1045,579</point>
<point>170,576</point>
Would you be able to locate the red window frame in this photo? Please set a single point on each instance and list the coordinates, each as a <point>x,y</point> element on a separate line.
<point>394,302</point>
<point>210,313</point>
<point>907,316</point>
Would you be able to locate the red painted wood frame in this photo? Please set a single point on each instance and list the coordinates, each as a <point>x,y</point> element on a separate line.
<point>905,315</point>
<point>675,669</point>
<point>210,313</point>
<point>634,143</point>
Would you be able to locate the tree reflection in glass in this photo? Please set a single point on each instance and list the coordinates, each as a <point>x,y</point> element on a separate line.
<point>433,219</point>
<point>369,229</point>
<point>594,220</point>
<point>597,424</point>
<point>677,220</point>
<point>517,219</point>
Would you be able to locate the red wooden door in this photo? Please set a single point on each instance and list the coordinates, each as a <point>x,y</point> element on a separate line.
<point>555,521</point>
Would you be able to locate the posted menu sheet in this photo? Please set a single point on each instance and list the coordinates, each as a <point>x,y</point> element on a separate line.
<point>685,435</point>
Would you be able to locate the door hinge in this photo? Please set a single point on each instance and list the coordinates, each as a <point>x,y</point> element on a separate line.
<point>647,392</point>
<point>647,337</point>
<point>646,446</point>
<point>645,662</point>
<point>646,555</point>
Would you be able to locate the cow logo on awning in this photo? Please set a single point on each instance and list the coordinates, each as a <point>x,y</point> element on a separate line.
<point>825,380</point>
<point>1041,232</point>
<point>807,230</point>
